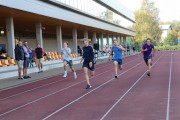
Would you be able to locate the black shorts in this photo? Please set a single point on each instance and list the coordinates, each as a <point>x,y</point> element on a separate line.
<point>146,59</point>
<point>26,63</point>
<point>86,64</point>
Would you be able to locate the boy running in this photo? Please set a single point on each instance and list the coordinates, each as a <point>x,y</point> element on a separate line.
<point>88,56</point>
<point>148,51</point>
<point>117,49</point>
<point>66,53</point>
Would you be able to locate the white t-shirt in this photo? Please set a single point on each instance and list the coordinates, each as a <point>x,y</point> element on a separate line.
<point>66,55</point>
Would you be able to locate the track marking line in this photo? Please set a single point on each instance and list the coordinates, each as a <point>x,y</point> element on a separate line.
<point>169,90</point>
<point>52,83</point>
<point>67,105</point>
<point>120,99</point>
<point>34,101</point>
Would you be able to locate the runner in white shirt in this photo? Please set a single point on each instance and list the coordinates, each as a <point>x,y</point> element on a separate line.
<point>66,53</point>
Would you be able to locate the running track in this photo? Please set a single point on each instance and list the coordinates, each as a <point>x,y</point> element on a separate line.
<point>133,96</point>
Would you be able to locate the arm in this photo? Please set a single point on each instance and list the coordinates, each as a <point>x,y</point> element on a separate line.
<point>121,48</point>
<point>144,49</point>
<point>42,52</point>
<point>82,57</point>
<point>153,51</point>
<point>16,53</point>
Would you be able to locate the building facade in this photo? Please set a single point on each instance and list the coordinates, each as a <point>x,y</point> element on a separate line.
<point>51,22</point>
<point>166,29</point>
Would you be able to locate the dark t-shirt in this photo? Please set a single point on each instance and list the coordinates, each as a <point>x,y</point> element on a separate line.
<point>148,53</point>
<point>39,53</point>
<point>88,54</point>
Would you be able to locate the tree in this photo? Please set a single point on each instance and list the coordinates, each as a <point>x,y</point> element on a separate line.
<point>171,39</point>
<point>147,22</point>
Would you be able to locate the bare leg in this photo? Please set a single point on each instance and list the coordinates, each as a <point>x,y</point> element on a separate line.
<point>86,75</point>
<point>115,67</point>
<point>19,73</point>
<point>92,73</point>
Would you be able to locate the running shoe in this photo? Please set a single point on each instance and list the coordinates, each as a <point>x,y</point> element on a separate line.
<point>148,74</point>
<point>116,76</point>
<point>75,75</point>
<point>88,86</point>
<point>65,75</point>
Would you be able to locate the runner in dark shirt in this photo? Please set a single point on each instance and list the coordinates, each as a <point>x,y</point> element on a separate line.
<point>148,52</point>
<point>88,57</point>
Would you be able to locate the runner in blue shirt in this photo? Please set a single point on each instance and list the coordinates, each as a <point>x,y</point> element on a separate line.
<point>117,58</point>
<point>148,52</point>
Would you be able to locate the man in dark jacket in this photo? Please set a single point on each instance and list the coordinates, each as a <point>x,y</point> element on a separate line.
<point>19,56</point>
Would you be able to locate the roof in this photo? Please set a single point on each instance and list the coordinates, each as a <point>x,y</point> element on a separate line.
<point>165,27</point>
<point>119,8</point>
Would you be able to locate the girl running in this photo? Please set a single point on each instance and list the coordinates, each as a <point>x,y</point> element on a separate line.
<point>66,53</point>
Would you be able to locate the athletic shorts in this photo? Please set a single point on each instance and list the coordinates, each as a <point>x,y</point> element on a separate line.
<point>146,59</point>
<point>119,61</point>
<point>69,62</point>
<point>20,64</point>
<point>86,64</point>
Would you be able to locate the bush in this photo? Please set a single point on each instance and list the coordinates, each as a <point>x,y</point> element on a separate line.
<point>167,47</point>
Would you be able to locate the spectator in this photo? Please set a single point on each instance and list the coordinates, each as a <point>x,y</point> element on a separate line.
<point>128,49</point>
<point>39,53</point>
<point>79,50</point>
<point>134,49</point>
<point>26,60</point>
<point>31,58</point>
<point>1,56</point>
<point>19,56</point>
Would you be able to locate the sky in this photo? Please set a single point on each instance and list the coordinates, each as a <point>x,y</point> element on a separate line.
<point>169,9</point>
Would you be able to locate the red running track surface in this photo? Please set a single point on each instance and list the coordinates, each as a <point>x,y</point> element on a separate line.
<point>133,96</point>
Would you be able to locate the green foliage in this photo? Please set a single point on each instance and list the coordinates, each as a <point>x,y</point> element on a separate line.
<point>167,47</point>
<point>147,22</point>
<point>171,39</point>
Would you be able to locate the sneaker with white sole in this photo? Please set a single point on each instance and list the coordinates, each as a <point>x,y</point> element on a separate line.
<point>65,75</point>
<point>88,87</point>
<point>75,75</point>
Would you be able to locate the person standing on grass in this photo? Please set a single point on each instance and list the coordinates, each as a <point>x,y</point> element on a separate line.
<point>148,52</point>
<point>38,54</point>
<point>26,60</point>
<point>19,56</point>
<point>88,63</point>
<point>118,57</point>
<point>67,59</point>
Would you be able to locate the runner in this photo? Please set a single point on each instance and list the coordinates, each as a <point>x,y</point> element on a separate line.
<point>117,58</point>
<point>88,56</point>
<point>39,53</point>
<point>66,53</point>
<point>148,51</point>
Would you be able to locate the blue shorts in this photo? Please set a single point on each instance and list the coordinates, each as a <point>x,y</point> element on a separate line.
<point>86,64</point>
<point>118,60</point>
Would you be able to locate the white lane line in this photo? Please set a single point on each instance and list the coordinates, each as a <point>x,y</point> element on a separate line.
<point>169,90</point>
<point>41,98</point>
<point>52,83</point>
<point>103,117</point>
<point>67,105</point>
